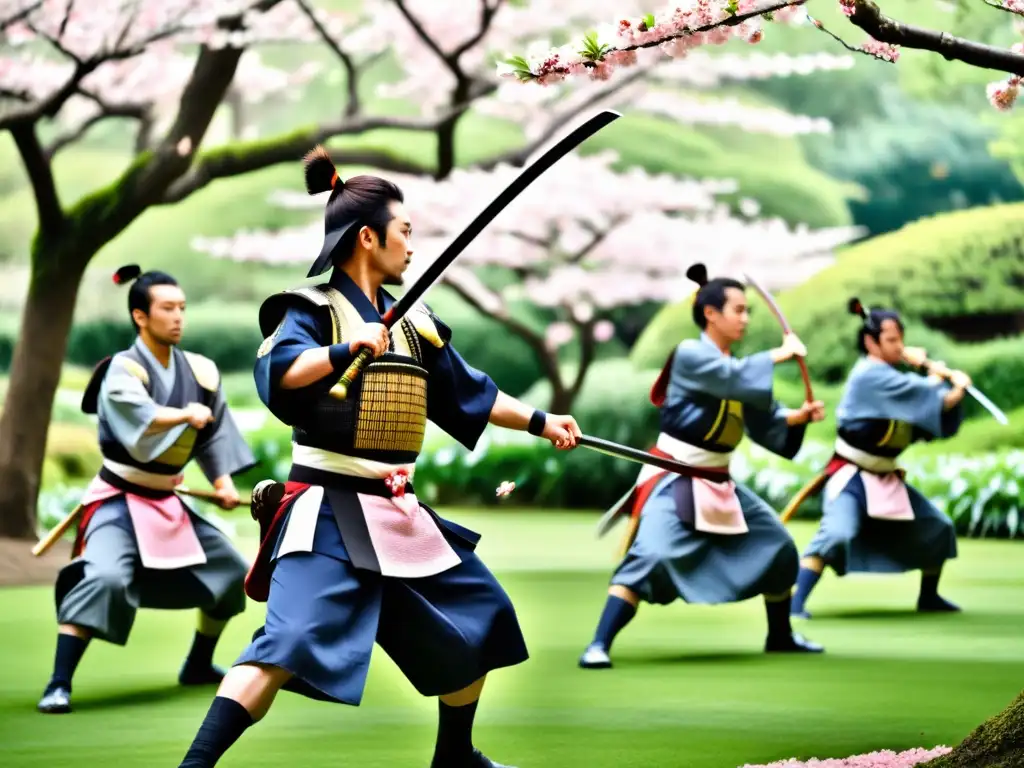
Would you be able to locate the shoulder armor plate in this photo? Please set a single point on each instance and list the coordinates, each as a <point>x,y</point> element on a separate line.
<point>205,371</point>
<point>273,308</point>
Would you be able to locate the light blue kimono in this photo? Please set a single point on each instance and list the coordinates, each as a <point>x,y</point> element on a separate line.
<point>882,412</point>
<point>711,401</point>
<point>105,585</point>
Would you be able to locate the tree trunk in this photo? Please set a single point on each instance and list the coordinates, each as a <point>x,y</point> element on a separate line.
<point>35,375</point>
<point>996,743</point>
<point>561,399</point>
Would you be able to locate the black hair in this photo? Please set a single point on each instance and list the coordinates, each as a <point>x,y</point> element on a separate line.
<point>871,322</point>
<point>363,199</point>
<point>138,295</point>
<point>711,292</point>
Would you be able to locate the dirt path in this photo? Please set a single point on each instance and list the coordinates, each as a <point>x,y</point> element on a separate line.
<point>18,567</point>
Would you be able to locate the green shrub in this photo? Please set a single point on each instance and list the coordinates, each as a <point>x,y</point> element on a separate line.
<point>917,159</point>
<point>226,333</point>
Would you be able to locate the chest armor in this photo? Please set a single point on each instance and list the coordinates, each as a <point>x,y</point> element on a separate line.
<point>384,416</point>
<point>711,424</point>
<point>879,437</point>
<point>195,381</point>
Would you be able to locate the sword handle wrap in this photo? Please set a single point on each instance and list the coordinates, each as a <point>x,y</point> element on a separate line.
<point>340,390</point>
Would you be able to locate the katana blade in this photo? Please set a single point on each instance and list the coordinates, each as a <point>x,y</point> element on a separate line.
<point>988,405</point>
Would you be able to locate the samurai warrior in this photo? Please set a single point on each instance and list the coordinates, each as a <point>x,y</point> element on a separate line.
<point>704,538</point>
<point>138,544</point>
<point>872,520</point>
<point>349,556</point>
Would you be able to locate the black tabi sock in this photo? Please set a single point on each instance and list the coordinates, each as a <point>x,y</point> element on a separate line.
<point>69,652</point>
<point>225,722</point>
<point>616,615</point>
<point>806,580</point>
<point>200,656</point>
<point>778,617</point>
<point>929,586</point>
<point>454,733</point>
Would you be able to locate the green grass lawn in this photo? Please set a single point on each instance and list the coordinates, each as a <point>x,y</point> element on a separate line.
<point>691,687</point>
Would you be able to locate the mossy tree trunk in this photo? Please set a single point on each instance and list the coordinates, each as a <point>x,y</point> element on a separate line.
<point>996,743</point>
<point>35,373</point>
<point>65,242</point>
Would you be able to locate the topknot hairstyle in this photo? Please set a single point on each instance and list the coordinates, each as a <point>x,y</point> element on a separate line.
<point>710,293</point>
<point>871,321</point>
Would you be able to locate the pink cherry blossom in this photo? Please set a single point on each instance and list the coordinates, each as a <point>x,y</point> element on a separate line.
<point>581,241</point>
<point>604,330</point>
<point>885,51</point>
<point>1002,95</point>
<point>676,31</point>
<point>505,489</point>
<point>881,759</point>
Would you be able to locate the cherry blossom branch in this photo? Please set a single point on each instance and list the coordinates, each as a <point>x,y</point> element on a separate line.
<point>146,181</point>
<point>869,17</point>
<point>873,48</point>
<point>50,106</point>
<point>106,111</point>
<point>588,351</point>
<point>1010,6</point>
<point>244,157</point>
<point>40,175</point>
<point>20,16</point>
<point>598,236</point>
<point>487,12</point>
<point>353,105</point>
<point>461,280</point>
<point>449,61</point>
<point>597,54</point>
<point>518,157</point>
<point>467,87</point>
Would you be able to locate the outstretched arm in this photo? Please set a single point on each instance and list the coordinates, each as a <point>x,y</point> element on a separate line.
<point>462,401</point>
<point>510,413</point>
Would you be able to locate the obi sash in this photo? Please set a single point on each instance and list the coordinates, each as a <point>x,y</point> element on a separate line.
<point>885,493</point>
<point>164,533</point>
<point>708,503</point>
<point>383,526</point>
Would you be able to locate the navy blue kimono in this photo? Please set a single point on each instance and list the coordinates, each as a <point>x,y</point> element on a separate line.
<point>350,563</point>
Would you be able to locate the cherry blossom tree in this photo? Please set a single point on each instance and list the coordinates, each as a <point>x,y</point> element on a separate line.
<point>581,241</point>
<point>630,39</point>
<point>170,67</point>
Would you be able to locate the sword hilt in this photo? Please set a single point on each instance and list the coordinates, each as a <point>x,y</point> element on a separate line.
<point>340,390</point>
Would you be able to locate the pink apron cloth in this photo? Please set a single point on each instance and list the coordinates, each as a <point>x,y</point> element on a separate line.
<point>164,532</point>
<point>716,507</point>
<point>886,495</point>
<point>405,538</point>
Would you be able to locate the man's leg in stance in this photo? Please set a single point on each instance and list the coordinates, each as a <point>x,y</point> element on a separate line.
<point>811,569</point>
<point>222,577</point>
<point>244,697</point>
<point>841,522</point>
<point>619,610</point>
<point>71,644</point>
<point>929,600</point>
<point>781,637</point>
<point>96,597</point>
<point>198,668</point>
<point>454,747</point>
